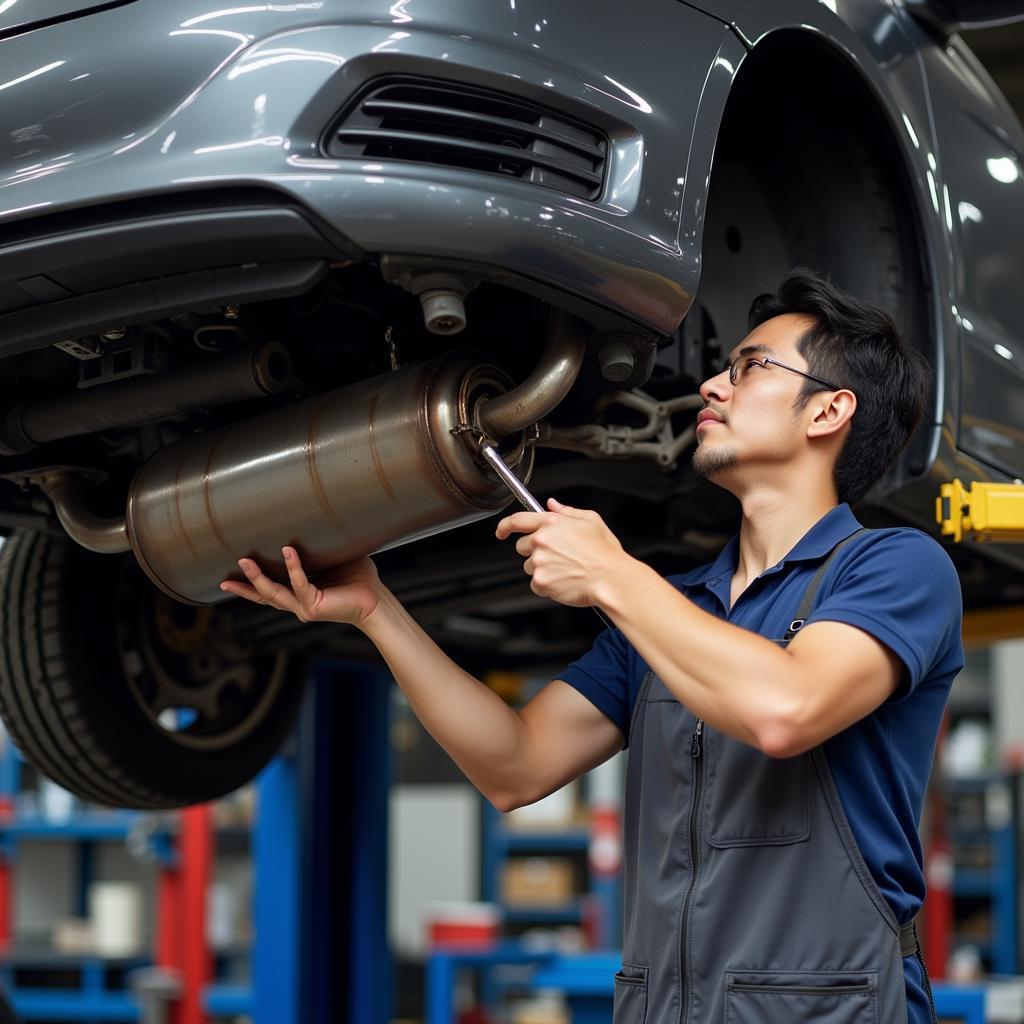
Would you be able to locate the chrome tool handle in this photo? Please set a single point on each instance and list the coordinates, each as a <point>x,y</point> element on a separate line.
<point>514,484</point>
<point>525,498</point>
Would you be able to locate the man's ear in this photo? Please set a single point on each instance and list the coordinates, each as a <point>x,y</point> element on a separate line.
<point>830,412</point>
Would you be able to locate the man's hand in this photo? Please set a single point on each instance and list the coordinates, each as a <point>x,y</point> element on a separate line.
<point>350,593</point>
<point>569,552</point>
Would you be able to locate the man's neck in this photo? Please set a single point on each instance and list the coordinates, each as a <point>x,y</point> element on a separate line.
<point>773,522</point>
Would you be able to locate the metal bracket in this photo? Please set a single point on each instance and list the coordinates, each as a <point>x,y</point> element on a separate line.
<point>38,476</point>
<point>122,358</point>
<point>985,512</point>
<point>654,440</point>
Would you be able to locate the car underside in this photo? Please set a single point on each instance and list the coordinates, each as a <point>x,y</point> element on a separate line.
<point>199,356</point>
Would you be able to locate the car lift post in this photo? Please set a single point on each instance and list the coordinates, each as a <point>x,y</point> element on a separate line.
<point>321,952</point>
<point>984,512</point>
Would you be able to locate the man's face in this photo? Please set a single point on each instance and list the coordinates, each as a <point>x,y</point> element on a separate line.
<point>753,427</point>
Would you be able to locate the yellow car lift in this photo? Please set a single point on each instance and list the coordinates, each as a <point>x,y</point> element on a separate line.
<point>984,512</point>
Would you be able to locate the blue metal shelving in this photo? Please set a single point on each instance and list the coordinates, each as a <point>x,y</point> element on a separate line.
<point>500,842</point>
<point>83,825</point>
<point>570,839</point>
<point>79,1005</point>
<point>569,913</point>
<point>601,900</point>
<point>320,852</point>
<point>95,998</point>
<point>588,982</point>
<point>998,884</point>
<point>229,1000</point>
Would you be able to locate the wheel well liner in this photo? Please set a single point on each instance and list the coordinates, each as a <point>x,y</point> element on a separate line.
<point>786,49</point>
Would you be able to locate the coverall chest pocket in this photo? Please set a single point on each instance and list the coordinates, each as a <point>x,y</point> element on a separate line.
<point>752,799</point>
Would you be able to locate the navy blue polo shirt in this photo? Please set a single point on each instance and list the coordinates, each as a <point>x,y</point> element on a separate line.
<point>899,586</point>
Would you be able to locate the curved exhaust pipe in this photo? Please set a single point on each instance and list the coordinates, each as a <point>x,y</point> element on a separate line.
<point>370,466</point>
<point>64,488</point>
<point>549,383</point>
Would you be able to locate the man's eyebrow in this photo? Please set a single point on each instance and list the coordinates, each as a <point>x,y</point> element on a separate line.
<point>749,350</point>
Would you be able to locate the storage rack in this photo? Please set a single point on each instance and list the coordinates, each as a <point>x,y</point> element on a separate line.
<point>587,981</point>
<point>182,845</point>
<point>994,832</point>
<point>500,841</point>
<point>319,847</point>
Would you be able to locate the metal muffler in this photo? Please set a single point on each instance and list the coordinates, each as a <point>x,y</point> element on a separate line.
<point>370,466</point>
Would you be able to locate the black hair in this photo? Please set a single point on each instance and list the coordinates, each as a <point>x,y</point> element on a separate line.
<point>857,346</point>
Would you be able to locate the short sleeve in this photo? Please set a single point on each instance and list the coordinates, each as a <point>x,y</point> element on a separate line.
<point>901,588</point>
<point>602,675</point>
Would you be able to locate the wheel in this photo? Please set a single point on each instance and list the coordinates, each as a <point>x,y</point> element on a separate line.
<point>124,696</point>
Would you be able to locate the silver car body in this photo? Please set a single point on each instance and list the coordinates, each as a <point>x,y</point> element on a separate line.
<point>142,118</point>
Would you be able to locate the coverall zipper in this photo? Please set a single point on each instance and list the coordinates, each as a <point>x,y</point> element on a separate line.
<point>927,983</point>
<point>697,753</point>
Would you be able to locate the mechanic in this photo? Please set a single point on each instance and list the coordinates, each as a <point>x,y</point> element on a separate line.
<point>780,705</point>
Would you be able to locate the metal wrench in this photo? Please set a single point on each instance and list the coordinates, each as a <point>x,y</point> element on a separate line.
<point>525,498</point>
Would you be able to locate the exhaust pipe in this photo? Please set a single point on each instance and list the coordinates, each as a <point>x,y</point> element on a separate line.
<point>63,487</point>
<point>549,383</point>
<point>370,466</point>
<point>254,372</point>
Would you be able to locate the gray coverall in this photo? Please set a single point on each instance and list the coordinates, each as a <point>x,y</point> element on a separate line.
<point>747,898</point>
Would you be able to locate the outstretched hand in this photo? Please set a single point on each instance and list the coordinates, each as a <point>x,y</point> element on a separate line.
<point>348,593</point>
<point>569,552</point>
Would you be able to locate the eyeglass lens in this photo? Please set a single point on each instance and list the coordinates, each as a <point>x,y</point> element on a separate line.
<point>736,370</point>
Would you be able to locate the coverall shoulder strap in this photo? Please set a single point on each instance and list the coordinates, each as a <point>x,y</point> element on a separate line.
<point>812,588</point>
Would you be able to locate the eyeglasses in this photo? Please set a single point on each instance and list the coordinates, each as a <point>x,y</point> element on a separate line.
<point>738,368</point>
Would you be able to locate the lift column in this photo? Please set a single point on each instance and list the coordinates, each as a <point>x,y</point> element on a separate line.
<point>320,952</point>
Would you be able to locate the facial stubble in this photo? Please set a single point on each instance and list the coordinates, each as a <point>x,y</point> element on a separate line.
<point>709,462</point>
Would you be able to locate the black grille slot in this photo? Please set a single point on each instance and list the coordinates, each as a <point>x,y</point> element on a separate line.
<point>460,126</point>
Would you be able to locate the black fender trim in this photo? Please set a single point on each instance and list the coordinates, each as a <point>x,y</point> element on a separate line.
<point>149,300</point>
<point>60,271</point>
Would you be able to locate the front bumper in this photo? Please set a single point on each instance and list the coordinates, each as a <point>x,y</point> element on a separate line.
<point>242,98</point>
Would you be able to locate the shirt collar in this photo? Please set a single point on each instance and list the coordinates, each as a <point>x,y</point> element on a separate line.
<point>837,524</point>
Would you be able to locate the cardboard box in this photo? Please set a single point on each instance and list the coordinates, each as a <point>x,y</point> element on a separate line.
<point>542,1010</point>
<point>1004,1001</point>
<point>560,809</point>
<point>537,881</point>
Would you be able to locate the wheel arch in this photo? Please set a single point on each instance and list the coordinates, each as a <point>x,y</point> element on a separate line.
<point>741,56</point>
<point>899,140</point>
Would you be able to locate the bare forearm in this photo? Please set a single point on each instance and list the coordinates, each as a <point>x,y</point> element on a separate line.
<point>481,733</point>
<point>739,682</point>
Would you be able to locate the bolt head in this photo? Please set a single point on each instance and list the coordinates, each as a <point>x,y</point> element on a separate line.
<point>443,312</point>
<point>616,360</point>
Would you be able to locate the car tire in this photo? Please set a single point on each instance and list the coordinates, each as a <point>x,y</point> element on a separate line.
<point>123,696</point>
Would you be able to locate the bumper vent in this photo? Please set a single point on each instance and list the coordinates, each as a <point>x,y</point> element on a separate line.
<point>460,126</point>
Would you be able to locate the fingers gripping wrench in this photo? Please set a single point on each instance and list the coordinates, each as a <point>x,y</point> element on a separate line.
<point>525,498</point>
